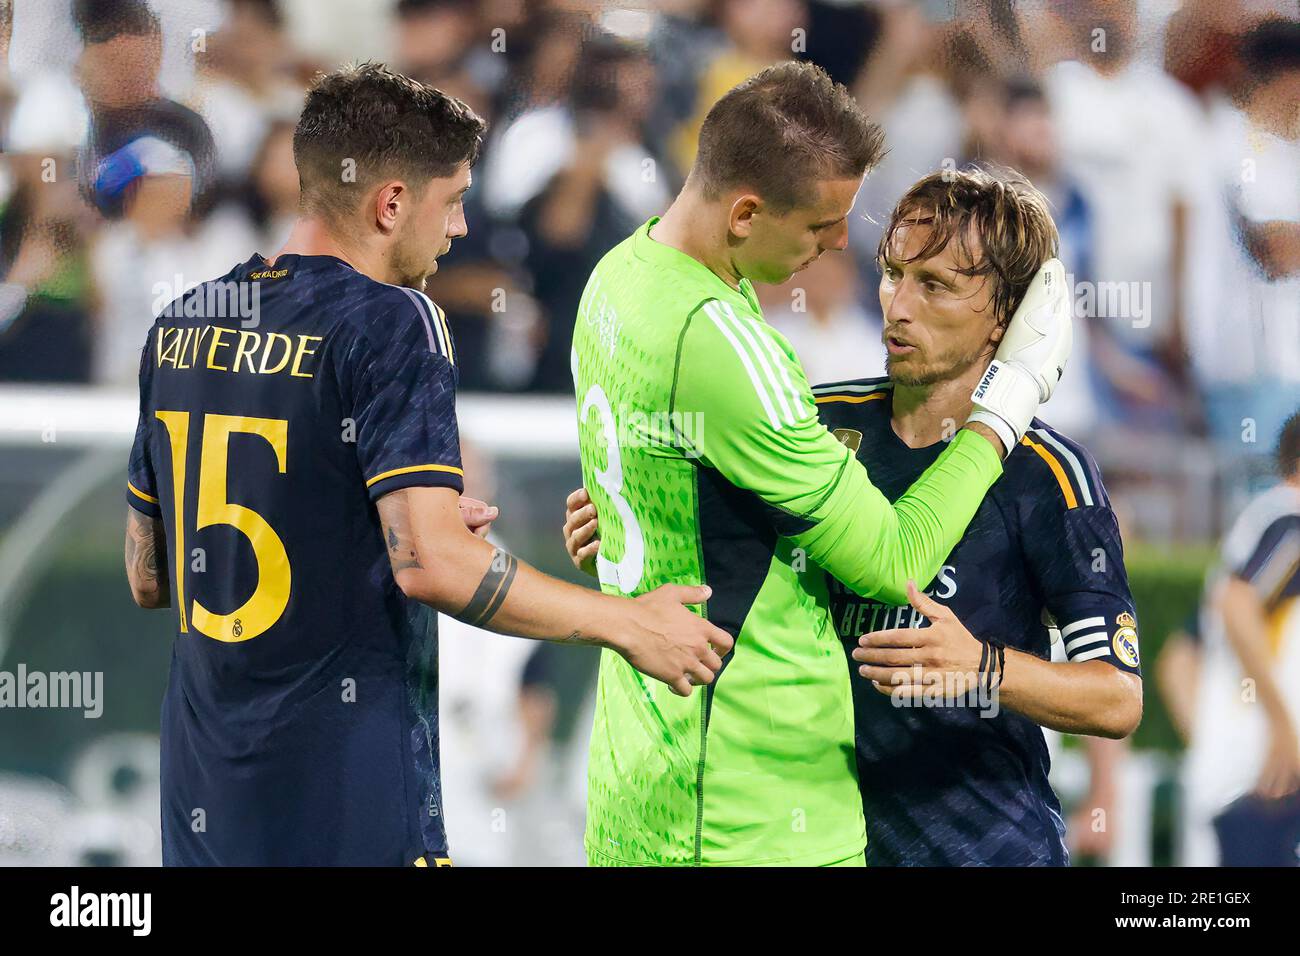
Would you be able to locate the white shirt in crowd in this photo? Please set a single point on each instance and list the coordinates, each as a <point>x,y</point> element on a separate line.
<point>1230,735</point>
<point>1244,328</point>
<point>138,278</point>
<point>1134,142</point>
<point>532,148</point>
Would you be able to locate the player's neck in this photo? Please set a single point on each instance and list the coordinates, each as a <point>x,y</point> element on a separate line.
<point>686,227</point>
<point>925,414</point>
<point>312,237</point>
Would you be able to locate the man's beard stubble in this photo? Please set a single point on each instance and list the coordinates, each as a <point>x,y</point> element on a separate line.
<point>933,373</point>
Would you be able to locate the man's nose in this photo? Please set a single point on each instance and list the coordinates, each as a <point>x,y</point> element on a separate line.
<point>838,238</point>
<point>900,306</point>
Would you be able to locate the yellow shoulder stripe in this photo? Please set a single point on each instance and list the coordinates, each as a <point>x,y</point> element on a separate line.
<point>406,471</point>
<point>446,330</point>
<point>851,399</point>
<point>1070,500</point>
<point>140,494</point>
<point>1276,621</point>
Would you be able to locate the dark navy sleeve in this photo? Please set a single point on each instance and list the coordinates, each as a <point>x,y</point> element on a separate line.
<point>404,402</point>
<point>1274,561</point>
<point>141,484</point>
<point>1072,542</point>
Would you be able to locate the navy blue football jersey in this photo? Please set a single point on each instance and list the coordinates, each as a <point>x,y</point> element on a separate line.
<point>967,785</point>
<point>277,403</point>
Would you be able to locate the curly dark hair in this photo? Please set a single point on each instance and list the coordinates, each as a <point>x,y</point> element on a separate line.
<point>364,123</point>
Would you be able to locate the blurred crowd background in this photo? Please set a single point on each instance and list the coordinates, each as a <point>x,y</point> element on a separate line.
<point>1164,134</point>
<point>147,147</point>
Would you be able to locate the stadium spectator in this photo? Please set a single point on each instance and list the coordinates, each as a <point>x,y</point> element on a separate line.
<point>478,284</point>
<point>148,166</point>
<point>758,34</point>
<point>1243,769</point>
<point>45,295</point>
<point>820,312</point>
<point>1178,674</point>
<point>534,135</point>
<point>904,85</point>
<point>1129,136</point>
<point>841,36</point>
<point>606,186</point>
<point>244,84</point>
<point>1023,137</point>
<point>147,158</point>
<point>273,186</point>
<point>1201,44</point>
<point>262,205</point>
<point>438,40</point>
<point>1245,333</point>
<point>681,40</point>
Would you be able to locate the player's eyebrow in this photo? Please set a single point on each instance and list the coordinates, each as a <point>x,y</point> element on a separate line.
<point>926,274</point>
<point>923,273</point>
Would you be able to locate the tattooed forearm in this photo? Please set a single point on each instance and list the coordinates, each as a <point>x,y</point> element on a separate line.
<point>146,560</point>
<point>395,516</point>
<point>492,590</point>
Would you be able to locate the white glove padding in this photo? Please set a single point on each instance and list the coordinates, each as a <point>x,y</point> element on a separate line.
<point>1030,359</point>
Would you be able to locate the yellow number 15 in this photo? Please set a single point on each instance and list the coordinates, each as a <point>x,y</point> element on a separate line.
<point>271,595</point>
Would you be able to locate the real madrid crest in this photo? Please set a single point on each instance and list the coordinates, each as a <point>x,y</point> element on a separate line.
<point>851,438</point>
<point>1125,641</point>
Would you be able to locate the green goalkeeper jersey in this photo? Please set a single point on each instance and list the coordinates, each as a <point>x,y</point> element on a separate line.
<point>703,454</point>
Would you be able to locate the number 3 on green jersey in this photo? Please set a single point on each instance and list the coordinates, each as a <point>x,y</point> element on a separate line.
<point>625,574</point>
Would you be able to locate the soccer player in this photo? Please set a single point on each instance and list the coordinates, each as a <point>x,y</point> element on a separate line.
<point>1243,766</point>
<point>293,492</point>
<point>961,779</point>
<point>702,451</point>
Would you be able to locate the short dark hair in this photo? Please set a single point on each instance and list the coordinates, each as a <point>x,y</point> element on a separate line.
<point>417,8</point>
<point>780,131</point>
<point>387,125</point>
<point>1288,447</point>
<point>99,21</point>
<point>1010,218</point>
<point>1271,47</point>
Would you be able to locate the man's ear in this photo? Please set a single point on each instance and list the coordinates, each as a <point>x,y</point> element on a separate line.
<point>998,332</point>
<point>742,214</point>
<point>388,205</point>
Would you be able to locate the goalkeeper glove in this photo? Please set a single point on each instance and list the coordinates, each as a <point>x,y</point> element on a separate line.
<point>1030,359</point>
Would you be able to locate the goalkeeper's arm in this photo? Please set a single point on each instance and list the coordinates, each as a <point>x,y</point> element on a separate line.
<point>760,430</point>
